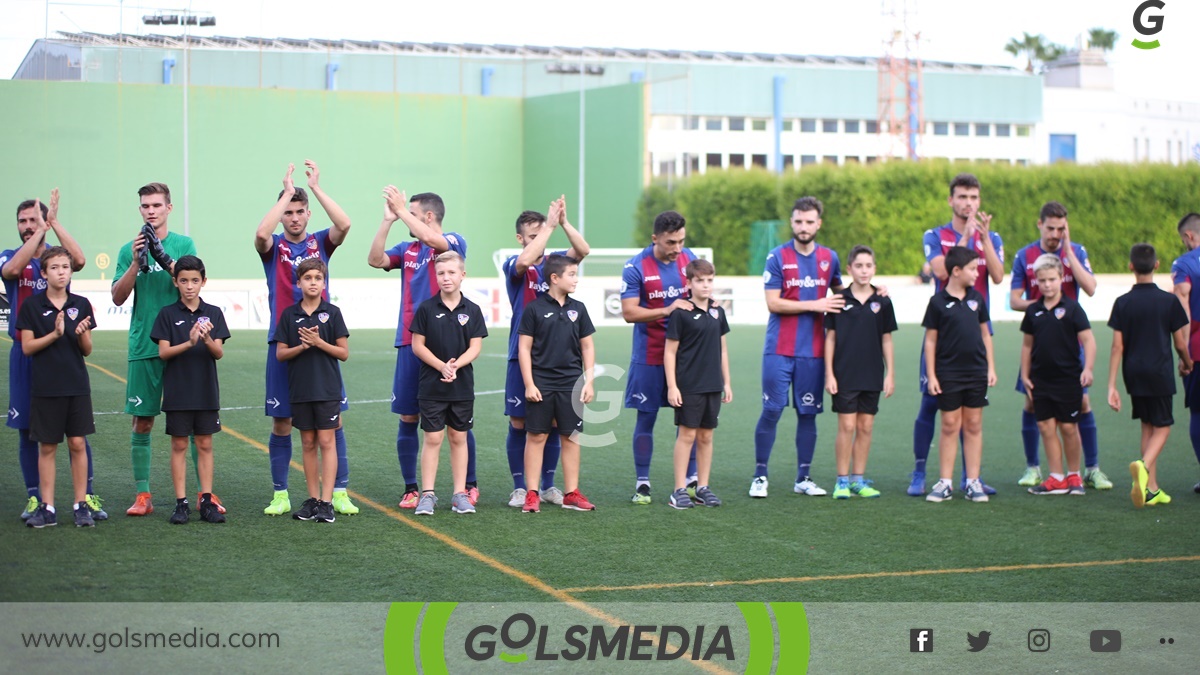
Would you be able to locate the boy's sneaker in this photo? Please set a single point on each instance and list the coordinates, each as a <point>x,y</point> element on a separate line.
<point>425,504</point>
<point>209,511</point>
<point>641,496</point>
<point>807,487</point>
<point>940,492</point>
<point>680,499</point>
<point>975,491</point>
<point>1137,493</point>
<point>1097,479</point>
<point>553,495</point>
<point>280,504</point>
<point>987,489</point>
<point>42,517</point>
<point>1031,477</point>
<point>94,504</point>
<point>575,501</point>
<point>841,489</point>
<point>460,502</point>
<point>324,513</point>
<point>517,498</point>
<point>182,514</point>
<point>533,502</point>
<point>409,499</point>
<point>864,489</point>
<point>83,515</point>
<point>472,495</point>
<point>1160,497</point>
<point>705,497</point>
<point>758,487</point>
<point>916,486</point>
<point>342,504</point>
<point>31,508</point>
<point>307,510</point>
<point>1050,486</point>
<point>143,505</point>
<point>216,500</point>
<point>1075,485</point>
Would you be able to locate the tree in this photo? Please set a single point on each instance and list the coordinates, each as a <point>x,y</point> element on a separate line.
<point>1036,49</point>
<point>1101,38</point>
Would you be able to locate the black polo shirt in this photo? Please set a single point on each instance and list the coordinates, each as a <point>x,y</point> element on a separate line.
<point>556,330</point>
<point>313,376</point>
<point>698,360</point>
<point>190,379</point>
<point>858,351</point>
<point>961,354</point>
<point>448,333</point>
<point>58,369</point>
<point>1055,365</point>
<point>1146,317</point>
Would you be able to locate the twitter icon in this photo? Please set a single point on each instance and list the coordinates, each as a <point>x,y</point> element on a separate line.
<point>977,643</point>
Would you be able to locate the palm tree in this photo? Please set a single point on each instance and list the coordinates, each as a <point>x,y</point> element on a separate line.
<point>1036,49</point>
<point>1100,38</point>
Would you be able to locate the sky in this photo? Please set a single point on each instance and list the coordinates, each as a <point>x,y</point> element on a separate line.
<point>951,30</point>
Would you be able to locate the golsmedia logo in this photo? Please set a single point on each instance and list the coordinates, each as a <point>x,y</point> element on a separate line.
<point>446,637</point>
<point>1148,24</point>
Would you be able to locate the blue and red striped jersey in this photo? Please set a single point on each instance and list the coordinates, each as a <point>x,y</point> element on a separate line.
<point>523,289</point>
<point>418,283</point>
<point>941,239</point>
<point>28,282</point>
<point>799,277</point>
<point>279,264</point>
<point>1186,269</point>
<point>1024,278</point>
<point>655,284</point>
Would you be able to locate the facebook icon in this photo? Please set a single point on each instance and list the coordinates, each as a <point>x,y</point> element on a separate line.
<point>920,640</point>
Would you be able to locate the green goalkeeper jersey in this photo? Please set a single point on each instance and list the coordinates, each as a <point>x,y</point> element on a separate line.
<point>151,292</point>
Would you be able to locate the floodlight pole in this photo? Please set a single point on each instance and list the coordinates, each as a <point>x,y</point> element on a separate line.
<point>187,204</point>
<point>582,144</point>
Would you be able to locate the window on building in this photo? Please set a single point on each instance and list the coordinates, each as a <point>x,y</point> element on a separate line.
<point>1004,130</point>
<point>1023,130</point>
<point>808,160</point>
<point>872,127</point>
<point>789,162</point>
<point>830,159</point>
<point>691,123</point>
<point>872,160</point>
<point>829,126</point>
<point>737,161</point>
<point>666,168</point>
<point>759,160</point>
<point>737,123</point>
<point>851,159</point>
<point>851,126</point>
<point>941,129</point>
<point>1147,157</point>
<point>1022,162</point>
<point>962,129</point>
<point>692,163</point>
<point>758,125</point>
<point>1168,151</point>
<point>1135,150</point>
<point>713,160</point>
<point>787,125</point>
<point>983,130</point>
<point>808,126</point>
<point>712,123</point>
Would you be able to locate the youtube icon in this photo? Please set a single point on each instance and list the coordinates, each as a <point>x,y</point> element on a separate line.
<point>1106,640</point>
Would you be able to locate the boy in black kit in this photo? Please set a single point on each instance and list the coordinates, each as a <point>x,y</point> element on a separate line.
<point>1055,326</point>
<point>554,350</point>
<point>56,330</point>
<point>859,364</point>
<point>191,335</point>
<point>312,337</point>
<point>959,364</point>
<point>1145,321</point>
<point>695,344</point>
<point>448,331</point>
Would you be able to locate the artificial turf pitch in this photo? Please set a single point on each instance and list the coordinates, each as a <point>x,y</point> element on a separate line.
<point>788,547</point>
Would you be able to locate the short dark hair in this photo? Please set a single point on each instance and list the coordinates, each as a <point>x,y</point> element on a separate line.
<point>1052,210</point>
<point>189,263</point>
<point>528,218</point>
<point>298,196</point>
<point>1190,222</point>
<point>311,264</point>
<point>155,189</point>
<point>29,204</point>
<point>1142,257</point>
<point>54,252</point>
<point>698,267</point>
<point>959,256</point>
<point>430,202</point>
<point>966,180</point>
<point>557,264</point>
<point>669,221</point>
<point>859,250</point>
<point>809,204</point>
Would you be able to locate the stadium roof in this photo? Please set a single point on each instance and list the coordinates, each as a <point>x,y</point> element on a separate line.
<point>495,51</point>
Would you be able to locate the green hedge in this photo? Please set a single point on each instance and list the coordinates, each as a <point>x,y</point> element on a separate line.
<point>889,206</point>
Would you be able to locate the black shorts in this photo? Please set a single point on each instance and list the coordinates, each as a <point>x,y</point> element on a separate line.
<point>556,409</point>
<point>699,411</point>
<point>51,418</point>
<point>193,422</point>
<point>963,396</point>
<point>311,415</point>
<point>1153,410</point>
<point>437,415</point>
<point>856,402</point>
<point>1066,407</point>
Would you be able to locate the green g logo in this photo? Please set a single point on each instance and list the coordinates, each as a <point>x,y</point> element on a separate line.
<point>1147,25</point>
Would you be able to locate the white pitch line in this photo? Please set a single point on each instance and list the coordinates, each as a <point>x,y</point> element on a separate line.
<point>490,392</point>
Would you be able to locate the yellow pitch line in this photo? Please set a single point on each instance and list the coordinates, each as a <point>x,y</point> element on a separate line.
<point>879,575</point>
<point>524,577</point>
<point>106,371</point>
